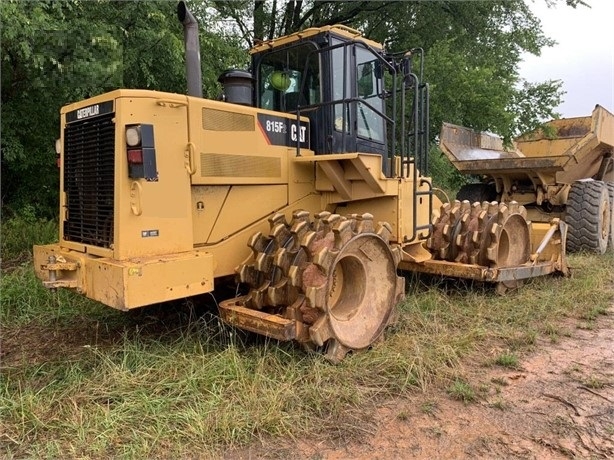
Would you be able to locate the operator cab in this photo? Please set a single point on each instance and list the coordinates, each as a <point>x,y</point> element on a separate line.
<point>335,77</point>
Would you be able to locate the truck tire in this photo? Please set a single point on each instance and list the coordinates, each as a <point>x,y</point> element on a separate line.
<point>610,186</point>
<point>477,192</point>
<point>588,216</point>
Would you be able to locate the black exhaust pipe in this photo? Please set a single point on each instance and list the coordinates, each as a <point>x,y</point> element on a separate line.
<point>192,50</point>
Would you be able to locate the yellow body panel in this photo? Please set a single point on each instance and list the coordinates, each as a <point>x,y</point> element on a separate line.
<point>211,195</point>
<point>246,204</point>
<point>232,251</point>
<point>229,146</point>
<point>337,29</point>
<point>140,205</point>
<point>207,202</point>
<point>219,180</point>
<point>132,283</point>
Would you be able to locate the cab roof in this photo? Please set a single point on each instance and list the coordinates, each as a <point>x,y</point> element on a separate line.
<point>340,30</point>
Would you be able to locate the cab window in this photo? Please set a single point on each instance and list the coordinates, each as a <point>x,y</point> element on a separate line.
<point>285,82</point>
<point>369,123</point>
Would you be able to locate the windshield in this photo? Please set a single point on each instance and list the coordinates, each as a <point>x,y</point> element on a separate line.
<point>281,75</point>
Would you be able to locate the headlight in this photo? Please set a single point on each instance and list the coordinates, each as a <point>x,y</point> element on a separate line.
<point>58,146</point>
<point>133,136</point>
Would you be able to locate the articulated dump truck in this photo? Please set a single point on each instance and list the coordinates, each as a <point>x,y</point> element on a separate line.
<point>564,170</point>
<point>305,184</point>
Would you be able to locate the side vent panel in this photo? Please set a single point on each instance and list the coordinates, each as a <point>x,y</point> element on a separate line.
<point>221,120</point>
<point>216,164</point>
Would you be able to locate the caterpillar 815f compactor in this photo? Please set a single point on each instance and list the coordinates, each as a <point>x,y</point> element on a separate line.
<point>305,182</point>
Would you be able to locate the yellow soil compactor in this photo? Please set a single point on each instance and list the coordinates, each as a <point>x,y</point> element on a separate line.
<point>306,183</point>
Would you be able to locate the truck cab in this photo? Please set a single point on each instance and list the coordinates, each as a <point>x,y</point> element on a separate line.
<point>354,93</point>
<point>335,77</point>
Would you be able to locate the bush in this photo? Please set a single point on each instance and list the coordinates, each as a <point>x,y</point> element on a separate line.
<point>445,176</point>
<point>19,232</point>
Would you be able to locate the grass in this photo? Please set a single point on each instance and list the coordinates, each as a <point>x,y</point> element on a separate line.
<point>462,391</point>
<point>82,380</point>
<point>19,234</point>
<point>594,382</point>
<point>499,404</point>
<point>507,360</point>
<point>429,407</point>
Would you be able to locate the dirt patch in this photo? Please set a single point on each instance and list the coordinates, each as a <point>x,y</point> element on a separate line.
<point>558,403</point>
<point>38,344</point>
<point>61,341</point>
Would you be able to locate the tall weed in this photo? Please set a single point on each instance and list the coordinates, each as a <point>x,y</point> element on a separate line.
<point>19,233</point>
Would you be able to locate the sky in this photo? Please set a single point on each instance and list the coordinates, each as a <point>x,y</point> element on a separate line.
<point>583,58</point>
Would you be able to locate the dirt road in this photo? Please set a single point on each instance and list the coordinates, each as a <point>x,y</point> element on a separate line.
<point>557,403</point>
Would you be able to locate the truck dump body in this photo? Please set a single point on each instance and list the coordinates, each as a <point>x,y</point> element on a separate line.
<point>565,171</point>
<point>573,151</point>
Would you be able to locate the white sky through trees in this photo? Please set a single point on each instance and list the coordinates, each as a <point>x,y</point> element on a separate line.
<point>583,58</point>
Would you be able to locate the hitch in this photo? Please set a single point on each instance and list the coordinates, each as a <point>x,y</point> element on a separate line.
<point>56,265</point>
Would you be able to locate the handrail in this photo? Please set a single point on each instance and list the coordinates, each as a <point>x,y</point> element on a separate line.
<point>414,141</point>
<point>346,101</point>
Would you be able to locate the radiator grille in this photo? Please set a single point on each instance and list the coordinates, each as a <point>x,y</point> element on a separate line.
<point>89,168</point>
<point>221,120</point>
<point>217,164</point>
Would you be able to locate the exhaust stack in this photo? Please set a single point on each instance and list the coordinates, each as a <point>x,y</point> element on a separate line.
<point>192,50</point>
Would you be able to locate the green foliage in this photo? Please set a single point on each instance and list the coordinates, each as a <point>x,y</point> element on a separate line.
<point>462,391</point>
<point>54,53</point>
<point>507,360</point>
<point>58,52</point>
<point>534,102</point>
<point>24,300</point>
<point>476,97</point>
<point>19,233</point>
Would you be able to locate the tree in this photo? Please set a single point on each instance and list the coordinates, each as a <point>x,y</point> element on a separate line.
<point>472,50</point>
<point>258,20</point>
<point>57,52</point>
<point>40,70</point>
